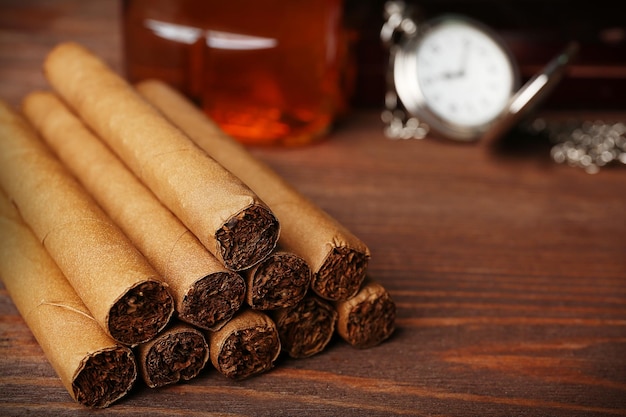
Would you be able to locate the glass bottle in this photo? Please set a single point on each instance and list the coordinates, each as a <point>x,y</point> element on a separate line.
<point>268,72</point>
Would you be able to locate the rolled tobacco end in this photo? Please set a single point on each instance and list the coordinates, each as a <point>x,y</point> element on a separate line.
<point>213,300</point>
<point>337,258</point>
<point>247,237</point>
<point>368,318</point>
<point>178,353</point>
<point>94,368</point>
<point>306,328</point>
<point>216,206</point>
<point>140,313</point>
<point>106,376</point>
<point>205,293</point>
<point>247,345</point>
<point>341,273</point>
<point>280,280</point>
<point>120,288</point>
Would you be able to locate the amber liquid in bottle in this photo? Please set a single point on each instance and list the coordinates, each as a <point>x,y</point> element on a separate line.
<point>268,72</point>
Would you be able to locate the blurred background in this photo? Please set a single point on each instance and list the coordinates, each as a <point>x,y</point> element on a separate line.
<point>534,30</point>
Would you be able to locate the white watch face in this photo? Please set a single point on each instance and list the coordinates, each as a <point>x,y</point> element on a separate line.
<point>462,75</point>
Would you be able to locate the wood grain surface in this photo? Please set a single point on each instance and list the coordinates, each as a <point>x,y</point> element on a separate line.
<point>509,271</point>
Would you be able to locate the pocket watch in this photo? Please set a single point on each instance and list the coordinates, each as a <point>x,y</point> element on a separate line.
<point>454,77</point>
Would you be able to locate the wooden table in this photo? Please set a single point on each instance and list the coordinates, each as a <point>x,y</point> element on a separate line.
<point>508,270</point>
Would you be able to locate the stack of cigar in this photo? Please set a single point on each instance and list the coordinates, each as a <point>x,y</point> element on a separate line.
<point>131,222</point>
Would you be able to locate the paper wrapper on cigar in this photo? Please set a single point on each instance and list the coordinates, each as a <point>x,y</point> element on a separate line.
<point>247,345</point>
<point>94,369</point>
<point>280,280</point>
<point>206,294</point>
<point>368,318</point>
<point>225,215</point>
<point>116,283</point>
<point>306,328</point>
<point>178,353</point>
<point>337,258</point>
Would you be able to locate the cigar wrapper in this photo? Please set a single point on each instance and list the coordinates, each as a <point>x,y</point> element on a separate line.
<point>368,318</point>
<point>119,287</point>
<point>177,354</point>
<point>280,280</point>
<point>95,369</point>
<point>205,293</point>
<point>247,345</point>
<point>225,215</point>
<point>336,257</point>
<point>306,328</point>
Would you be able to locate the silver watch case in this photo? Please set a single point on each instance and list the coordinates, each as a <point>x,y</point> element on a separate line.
<point>522,100</point>
<point>407,87</point>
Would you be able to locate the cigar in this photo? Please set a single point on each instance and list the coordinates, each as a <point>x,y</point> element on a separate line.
<point>223,213</point>
<point>205,293</point>
<point>116,283</point>
<point>178,353</point>
<point>247,345</point>
<point>280,280</point>
<point>306,328</point>
<point>368,318</point>
<point>337,258</point>
<point>95,369</point>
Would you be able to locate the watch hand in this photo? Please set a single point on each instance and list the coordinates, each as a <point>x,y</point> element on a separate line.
<point>460,72</point>
<point>464,57</point>
<point>452,75</point>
